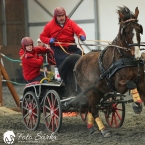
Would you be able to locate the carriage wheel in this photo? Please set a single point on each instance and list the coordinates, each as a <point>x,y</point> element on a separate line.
<point>30,111</point>
<point>115,114</point>
<point>52,111</point>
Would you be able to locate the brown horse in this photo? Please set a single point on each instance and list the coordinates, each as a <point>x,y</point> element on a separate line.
<point>118,67</point>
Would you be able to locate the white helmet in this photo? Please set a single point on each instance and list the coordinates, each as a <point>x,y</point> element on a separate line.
<point>38,40</point>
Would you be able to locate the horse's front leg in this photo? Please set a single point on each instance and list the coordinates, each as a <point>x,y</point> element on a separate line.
<point>138,95</point>
<point>141,90</point>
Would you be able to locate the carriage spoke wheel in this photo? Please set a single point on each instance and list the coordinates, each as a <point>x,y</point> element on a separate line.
<point>30,111</point>
<point>52,111</point>
<point>115,114</point>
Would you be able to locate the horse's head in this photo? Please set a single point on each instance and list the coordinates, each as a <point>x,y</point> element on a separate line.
<point>130,30</point>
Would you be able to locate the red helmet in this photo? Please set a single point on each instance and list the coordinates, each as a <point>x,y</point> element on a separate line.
<point>59,11</point>
<point>26,41</point>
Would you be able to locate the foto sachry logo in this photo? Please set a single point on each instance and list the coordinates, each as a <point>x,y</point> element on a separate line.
<point>8,137</point>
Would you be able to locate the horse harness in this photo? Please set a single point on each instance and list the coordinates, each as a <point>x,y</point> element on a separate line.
<point>120,63</point>
<point>117,65</point>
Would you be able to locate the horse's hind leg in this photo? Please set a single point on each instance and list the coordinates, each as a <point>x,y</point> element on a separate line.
<point>94,99</point>
<point>90,122</point>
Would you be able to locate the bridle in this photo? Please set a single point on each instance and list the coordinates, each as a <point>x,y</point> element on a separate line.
<point>128,22</point>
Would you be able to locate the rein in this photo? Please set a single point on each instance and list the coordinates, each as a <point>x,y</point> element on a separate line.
<point>124,48</point>
<point>70,44</point>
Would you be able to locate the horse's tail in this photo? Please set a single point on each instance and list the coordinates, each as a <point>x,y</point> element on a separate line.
<point>67,74</point>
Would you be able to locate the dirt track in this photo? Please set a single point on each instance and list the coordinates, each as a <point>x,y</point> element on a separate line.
<point>73,130</point>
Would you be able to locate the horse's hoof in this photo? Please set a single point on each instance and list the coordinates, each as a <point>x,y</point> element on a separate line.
<point>137,107</point>
<point>105,133</point>
<point>92,129</point>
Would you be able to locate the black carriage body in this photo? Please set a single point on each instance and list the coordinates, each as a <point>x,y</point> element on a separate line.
<point>40,89</point>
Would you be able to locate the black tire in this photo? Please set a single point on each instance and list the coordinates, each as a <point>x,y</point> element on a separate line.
<point>30,110</point>
<point>52,111</point>
<point>115,114</point>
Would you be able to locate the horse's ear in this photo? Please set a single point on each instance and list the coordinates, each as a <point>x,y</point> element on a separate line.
<point>136,12</point>
<point>121,16</point>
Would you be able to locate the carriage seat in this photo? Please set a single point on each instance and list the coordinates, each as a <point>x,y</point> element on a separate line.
<point>44,80</point>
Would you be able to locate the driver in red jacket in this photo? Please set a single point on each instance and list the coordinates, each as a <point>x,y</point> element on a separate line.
<point>62,29</point>
<point>31,60</point>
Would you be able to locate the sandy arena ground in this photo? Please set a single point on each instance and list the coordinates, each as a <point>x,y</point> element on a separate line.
<point>73,130</point>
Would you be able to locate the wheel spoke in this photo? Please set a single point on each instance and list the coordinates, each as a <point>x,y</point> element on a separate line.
<point>56,109</point>
<point>118,115</point>
<point>34,118</point>
<point>49,101</point>
<point>56,121</point>
<point>57,116</point>
<point>47,107</point>
<point>33,107</point>
<point>34,114</point>
<point>52,124</point>
<point>25,100</point>
<point>114,116</point>
<point>119,109</point>
<point>112,119</point>
<point>52,100</point>
<point>31,122</point>
<point>26,115</point>
<point>27,122</point>
<point>47,115</point>
<point>49,122</point>
<point>25,108</point>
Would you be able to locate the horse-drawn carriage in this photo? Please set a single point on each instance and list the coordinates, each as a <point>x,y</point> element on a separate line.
<point>102,78</point>
<point>50,100</point>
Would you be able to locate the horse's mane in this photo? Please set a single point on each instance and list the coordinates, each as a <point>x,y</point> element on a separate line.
<point>126,12</point>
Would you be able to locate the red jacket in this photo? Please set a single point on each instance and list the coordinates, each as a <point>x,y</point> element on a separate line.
<point>32,62</point>
<point>66,35</point>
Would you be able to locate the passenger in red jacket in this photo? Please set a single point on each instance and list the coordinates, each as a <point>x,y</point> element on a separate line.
<point>31,60</point>
<point>62,29</point>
